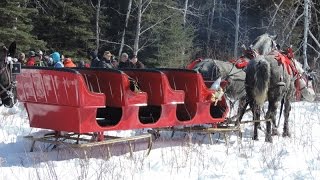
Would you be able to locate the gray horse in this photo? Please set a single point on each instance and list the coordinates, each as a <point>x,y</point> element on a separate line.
<point>211,70</point>
<point>268,80</point>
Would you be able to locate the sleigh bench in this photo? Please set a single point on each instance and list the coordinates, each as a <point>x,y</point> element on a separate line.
<point>123,105</point>
<point>162,99</point>
<point>58,99</point>
<point>69,101</point>
<point>197,107</point>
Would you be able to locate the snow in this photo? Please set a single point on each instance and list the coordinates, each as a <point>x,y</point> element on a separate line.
<point>296,157</point>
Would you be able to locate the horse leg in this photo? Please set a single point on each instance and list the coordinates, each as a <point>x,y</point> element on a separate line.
<point>243,104</point>
<point>256,117</point>
<point>287,109</point>
<point>271,114</point>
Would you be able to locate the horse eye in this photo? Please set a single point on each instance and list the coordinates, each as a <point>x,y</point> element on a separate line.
<point>310,78</point>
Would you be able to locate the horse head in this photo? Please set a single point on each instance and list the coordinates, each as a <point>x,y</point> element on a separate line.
<point>7,84</point>
<point>207,67</point>
<point>264,44</point>
<point>304,82</point>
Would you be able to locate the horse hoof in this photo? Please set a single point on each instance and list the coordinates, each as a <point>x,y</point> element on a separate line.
<point>255,138</point>
<point>269,139</point>
<point>286,134</point>
<point>275,132</point>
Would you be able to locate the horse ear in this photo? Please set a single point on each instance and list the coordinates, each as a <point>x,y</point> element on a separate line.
<point>12,49</point>
<point>274,37</point>
<point>243,47</point>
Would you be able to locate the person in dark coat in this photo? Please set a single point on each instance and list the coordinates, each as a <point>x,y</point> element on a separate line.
<point>95,61</point>
<point>124,61</point>
<point>134,63</point>
<point>83,64</point>
<point>106,61</point>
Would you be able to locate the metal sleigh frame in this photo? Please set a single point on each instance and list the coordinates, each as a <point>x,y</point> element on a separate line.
<point>75,140</point>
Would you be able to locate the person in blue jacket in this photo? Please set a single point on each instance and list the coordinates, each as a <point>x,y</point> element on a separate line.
<point>56,60</point>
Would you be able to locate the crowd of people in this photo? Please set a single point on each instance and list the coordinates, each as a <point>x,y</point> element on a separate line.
<point>58,60</point>
<point>108,61</point>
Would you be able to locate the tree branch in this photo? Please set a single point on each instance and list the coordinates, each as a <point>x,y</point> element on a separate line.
<point>275,13</point>
<point>314,49</point>
<point>112,42</point>
<point>146,7</point>
<point>91,3</point>
<point>152,26</point>
<point>293,26</point>
<point>146,44</point>
<point>180,10</point>
<point>314,38</point>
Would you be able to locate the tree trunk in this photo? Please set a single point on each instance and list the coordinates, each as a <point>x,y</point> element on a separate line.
<point>125,27</point>
<point>185,9</point>
<point>305,34</point>
<point>220,10</point>
<point>183,48</point>
<point>138,29</point>
<point>236,38</point>
<point>98,8</point>
<point>210,17</point>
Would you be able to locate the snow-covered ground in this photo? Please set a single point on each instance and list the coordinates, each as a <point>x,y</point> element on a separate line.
<point>297,157</point>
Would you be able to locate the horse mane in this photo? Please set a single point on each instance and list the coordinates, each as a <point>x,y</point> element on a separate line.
<point>263,44</point>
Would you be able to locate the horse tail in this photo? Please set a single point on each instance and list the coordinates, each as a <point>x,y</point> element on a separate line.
<point>262,79</point>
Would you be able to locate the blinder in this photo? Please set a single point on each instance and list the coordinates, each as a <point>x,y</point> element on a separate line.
<point>310,78</point>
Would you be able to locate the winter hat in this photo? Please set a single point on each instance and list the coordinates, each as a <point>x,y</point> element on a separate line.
<point>93,54</point>
<point>32,53</point>
<point>55,56</point>
<point>39,52</point>
<point>124,55</point>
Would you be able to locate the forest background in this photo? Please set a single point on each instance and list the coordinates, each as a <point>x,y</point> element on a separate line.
<point>162,33</point>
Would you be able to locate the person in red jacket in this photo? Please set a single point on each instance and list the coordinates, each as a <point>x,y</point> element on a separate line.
<point>68,62</point>
<point>31,61</point>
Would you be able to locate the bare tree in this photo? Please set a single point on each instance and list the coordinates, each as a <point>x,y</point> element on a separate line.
<point>210,24</point>
<point>138,29</point>
<point>305,34</point>
<point>273,19</point>
<point>314,38</point>
<point>185,10</point>
<point>125,27</point>
<point>236,38</point>
<point>142,8</point>
<point>97,8</point>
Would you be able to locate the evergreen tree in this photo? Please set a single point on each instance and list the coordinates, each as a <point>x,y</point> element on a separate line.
<point>66,26</point>
<point>16,25</point>
<point>164,40</point>
<point>173,40</point>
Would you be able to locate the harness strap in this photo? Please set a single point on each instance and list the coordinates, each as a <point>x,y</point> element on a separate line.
<point>281,108</point>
